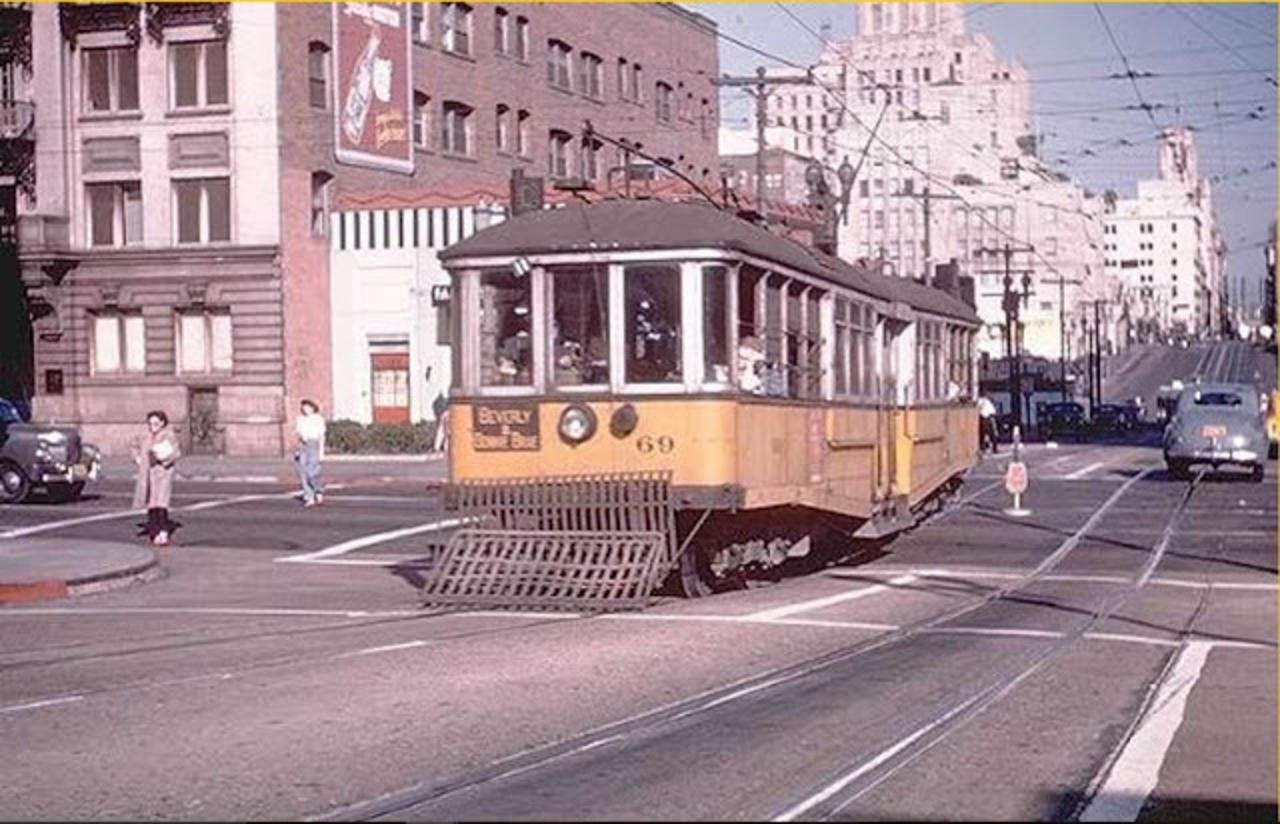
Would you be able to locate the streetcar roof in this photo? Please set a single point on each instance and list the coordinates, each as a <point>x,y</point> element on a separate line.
<point>651,225</point>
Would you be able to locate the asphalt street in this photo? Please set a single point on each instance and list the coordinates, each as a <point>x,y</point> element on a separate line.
<point>1112,656</point>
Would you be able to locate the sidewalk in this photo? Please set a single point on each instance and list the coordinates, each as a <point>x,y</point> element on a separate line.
<point>428,469</point>
<point>38,569</point>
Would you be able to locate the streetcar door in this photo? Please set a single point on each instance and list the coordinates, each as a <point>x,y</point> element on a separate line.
<point>887,402</point>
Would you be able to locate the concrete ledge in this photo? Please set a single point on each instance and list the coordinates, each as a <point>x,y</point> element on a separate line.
<point>46,569</point>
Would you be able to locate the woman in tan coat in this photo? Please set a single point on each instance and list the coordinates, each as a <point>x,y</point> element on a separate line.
<point>155,454</point>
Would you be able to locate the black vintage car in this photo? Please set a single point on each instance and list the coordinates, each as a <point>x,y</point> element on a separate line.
<point>1112,418</point>
<point>1063,420</point>
<point>38,455</point>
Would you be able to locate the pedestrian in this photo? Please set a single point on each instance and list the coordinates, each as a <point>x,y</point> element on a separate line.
<point>156,453</point>
<point>310,451</point>
<point>987,425</point>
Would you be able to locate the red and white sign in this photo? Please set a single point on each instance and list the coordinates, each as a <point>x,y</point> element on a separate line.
<point>1015,478</point>
<point>373,86</point>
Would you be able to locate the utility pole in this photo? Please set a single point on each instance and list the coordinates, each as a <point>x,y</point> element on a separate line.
<point>926,197</point>
<point>758,86</point>
<point>1012,303</point>
<point>1062,284</point>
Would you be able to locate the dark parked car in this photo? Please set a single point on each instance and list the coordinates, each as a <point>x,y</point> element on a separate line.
<point>1112,418</point>
<point>1063,420</point>
<point>38,455</point>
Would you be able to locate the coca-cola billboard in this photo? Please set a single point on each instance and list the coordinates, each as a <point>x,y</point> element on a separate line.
<point>373,85</point>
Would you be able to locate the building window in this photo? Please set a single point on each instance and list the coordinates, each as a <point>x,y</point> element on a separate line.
<point>115,213</point>
<point>321,186</point>
<point>419,26</point>
<point>203,341</point>
<point>589,158</point>
<point>501,31</point>
<point>455,26</point>
<point>706,118</point>
<point>591,75</point>
<point>522,133</point>
<point>456,128</point>
<point>198,74</point>
<point>624,79</point>
<point>119,344</point>
<point>558,64</point>
<point>662,101</point>
<point>558,161</point>
<point>203,210</point>
<point>318,74</point>
<point>502,128</point>
<point>111,80</point>
<point>421,120</point>
<point>522,39</point>
<point>637,82</point>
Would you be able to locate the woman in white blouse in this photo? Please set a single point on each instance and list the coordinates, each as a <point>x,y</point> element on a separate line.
<point>310,451</point>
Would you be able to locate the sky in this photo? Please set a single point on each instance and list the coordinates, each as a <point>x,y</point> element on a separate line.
<point>1213,64</point>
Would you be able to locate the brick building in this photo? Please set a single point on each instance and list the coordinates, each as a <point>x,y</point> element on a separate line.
<point>178,219</point>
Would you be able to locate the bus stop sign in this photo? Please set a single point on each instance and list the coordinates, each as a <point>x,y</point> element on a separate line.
<point>1015,478</point>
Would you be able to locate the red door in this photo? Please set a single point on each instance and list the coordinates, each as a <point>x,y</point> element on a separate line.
<point>390,387</point>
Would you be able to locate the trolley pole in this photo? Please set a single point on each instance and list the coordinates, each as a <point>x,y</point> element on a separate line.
<point>1062,284</point>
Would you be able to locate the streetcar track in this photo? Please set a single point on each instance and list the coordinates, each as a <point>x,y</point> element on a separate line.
<point>960,715</point>
<point>653,720</point>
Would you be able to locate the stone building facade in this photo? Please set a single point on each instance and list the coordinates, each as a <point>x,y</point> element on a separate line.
<point>177,243</point>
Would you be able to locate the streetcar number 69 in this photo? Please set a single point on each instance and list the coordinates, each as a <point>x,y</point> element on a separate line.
<point>647,445</point>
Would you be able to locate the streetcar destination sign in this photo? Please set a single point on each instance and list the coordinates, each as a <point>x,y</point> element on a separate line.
<point>505,427</point>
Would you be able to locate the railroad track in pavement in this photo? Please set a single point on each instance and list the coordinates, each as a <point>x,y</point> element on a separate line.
<point>530,778</point>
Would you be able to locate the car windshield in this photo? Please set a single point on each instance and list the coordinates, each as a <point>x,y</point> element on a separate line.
<point>9,413</point>
<point>1217,399</point>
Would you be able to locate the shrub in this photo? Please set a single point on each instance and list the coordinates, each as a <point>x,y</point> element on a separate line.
<point>353,438</point>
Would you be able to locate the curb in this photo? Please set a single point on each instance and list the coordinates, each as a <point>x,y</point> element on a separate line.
<point>89,585</point>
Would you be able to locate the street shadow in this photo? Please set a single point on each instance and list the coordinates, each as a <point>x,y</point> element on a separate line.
<point>1094,538</point>
<point>1158,807</point>
<point>42,498</point>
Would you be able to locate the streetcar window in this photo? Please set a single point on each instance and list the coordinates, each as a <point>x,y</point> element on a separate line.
<point>580,324</point>
<point>773,380</point>
<point>857,342</point>
<point>715,324</point>
<point>813,344</point>
<point>795,373</point>
<point>506,345</point>
<point>652,302</point>
<point>868,360</point>
<point>844,339</point>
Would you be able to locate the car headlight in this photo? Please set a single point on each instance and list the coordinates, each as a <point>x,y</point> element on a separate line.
<point>577,424</point>
<point>1239,441</point>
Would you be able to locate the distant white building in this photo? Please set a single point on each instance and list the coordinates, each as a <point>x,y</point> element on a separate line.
<point>1165,248</point>
<point>955,142</point>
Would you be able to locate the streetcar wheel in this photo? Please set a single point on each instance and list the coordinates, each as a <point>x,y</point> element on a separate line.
<point>696,579</point>
<point>13,484</point>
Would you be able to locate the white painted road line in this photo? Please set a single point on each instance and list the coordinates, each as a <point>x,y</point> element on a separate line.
<point>386,648</point>
<point>1134,773</point>
<point>1080,473</point>
<point>33,705</point>
<point>239,499</point>
<point>371,540</point>
<point>961,574</point>
<point>23,532</point>
<point>750,619</point>
<point>830,600</point>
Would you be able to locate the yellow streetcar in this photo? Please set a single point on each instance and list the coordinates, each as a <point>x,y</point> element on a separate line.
<point>646,390</point>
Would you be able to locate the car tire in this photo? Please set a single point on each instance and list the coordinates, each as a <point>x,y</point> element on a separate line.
<point>14,485</point>
<point>1178,470</point>
<point>1258,473</point>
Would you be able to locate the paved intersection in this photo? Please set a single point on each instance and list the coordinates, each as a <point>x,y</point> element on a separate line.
<point>982,667</point>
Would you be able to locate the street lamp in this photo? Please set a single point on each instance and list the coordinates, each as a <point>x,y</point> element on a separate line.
<point>835,207</point>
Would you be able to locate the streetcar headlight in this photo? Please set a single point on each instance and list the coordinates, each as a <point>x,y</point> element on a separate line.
<point>577,424</point>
